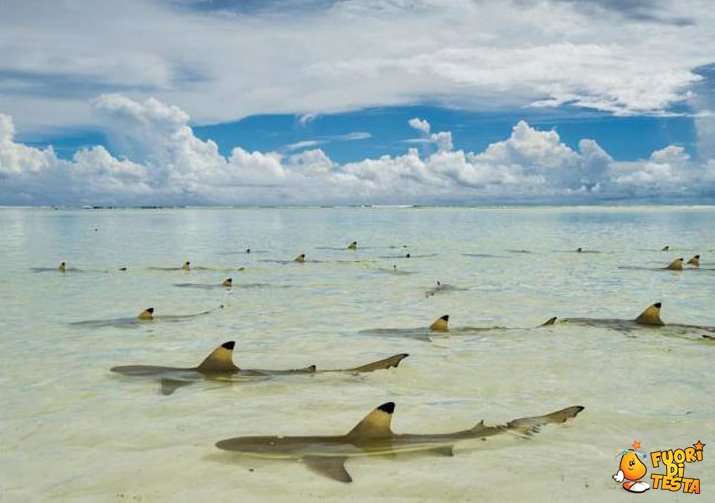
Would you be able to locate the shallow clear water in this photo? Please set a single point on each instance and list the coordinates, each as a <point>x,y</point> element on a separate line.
<point>73,431</point>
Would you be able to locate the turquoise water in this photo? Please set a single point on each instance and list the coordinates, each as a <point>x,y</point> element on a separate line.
<point>73,431</point>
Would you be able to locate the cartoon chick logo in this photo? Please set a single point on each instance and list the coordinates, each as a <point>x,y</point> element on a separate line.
<point>632,469</point>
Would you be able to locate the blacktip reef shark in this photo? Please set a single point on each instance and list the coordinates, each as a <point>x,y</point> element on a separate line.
<point>146,316</point>
<point>443,288</point>
<point>219,366</point>
<point>675,265</point>
<point>439,327</point>
<point>373,436</point>
<point>63,268</point>
<point>227,283</point>
<point>649,318</point>
<point>185,267</point>
<point>394,270</point>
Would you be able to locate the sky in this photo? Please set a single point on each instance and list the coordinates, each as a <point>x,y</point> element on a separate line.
<point>198,102</point>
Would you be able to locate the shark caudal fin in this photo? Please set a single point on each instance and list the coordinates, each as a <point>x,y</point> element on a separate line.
<point>549,322</point>
<point>220,359</point>
<point>352,246</point>
<point>694,261</point>
<point>227,282</point>
<point>665,248</point>
<point>376,424</point>
<point>441,324</point>
<point>62,267</point>
<point>528,425</point>
<point>675,265</point>
<point>651,316</point>
<point>300,258</point>
<point>147,314</point>
<point>387,363</point>
<point>186,266</point>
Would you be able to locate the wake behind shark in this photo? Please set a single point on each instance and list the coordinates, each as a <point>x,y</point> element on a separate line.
<point>648,319</point>
<point>146,316</point>
<point>219,365</point>
<point>373,436</point>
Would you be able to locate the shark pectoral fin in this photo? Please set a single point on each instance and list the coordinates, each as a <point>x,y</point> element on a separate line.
<point>331,467</point>
<point>220,359</point>
<point>168,386</point>
<point>392,361</point>
<point>447,450</point>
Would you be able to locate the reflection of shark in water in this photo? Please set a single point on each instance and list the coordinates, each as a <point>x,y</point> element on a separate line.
<point>443,288</point>
<point>146,316</point>
<point>373,436</point>
<point>219,366</point>
<point>648,319</point>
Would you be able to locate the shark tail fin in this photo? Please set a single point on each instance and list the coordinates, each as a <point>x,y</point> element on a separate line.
<point>220,359</point>
<point>392,361</point>
<point>651,316</point>
<point>694,261</point>
<point>147,314</point>
<point>675,265</point>
<point>441,324</point>
<point>529,425</point>
<point>377,424</point>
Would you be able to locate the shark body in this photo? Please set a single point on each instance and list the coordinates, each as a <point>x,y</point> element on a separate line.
<point>146,316</point>
<point>373,436</point>
<point>219,365</point>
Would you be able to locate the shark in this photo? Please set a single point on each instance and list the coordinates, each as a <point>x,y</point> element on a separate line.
<point>219,365</point>
<point>373,436</point>
<point>227,283</point>
<point>146,316</point>
<point>443,288</point>
<point>438,327</point>
<point>648,319</point>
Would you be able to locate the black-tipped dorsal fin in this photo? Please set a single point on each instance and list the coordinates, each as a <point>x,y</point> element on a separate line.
<point>441,324</point>
<point>147,314</point>
<point>220,359</point>
<point>694,260</point>
<point>332,467</point>
<point>651,316</point>
<point>376,424</point>
<point>676,265</point>
<point>549,322</point>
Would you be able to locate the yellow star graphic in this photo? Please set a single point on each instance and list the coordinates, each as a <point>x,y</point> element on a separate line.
<point>637,445</point>
<point>699,446</point>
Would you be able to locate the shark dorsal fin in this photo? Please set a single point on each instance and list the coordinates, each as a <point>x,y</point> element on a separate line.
<point>220,359</point>
<point>186,266</point>
<point>300,258</point>
<point>441,324</point>
<point>676,265</point>
<point>694,261</point>
<point>376,424</point>
<point>62,266</point>
<point>651,316</point>
<point>352,246</point>
<point>549,322</point>
<point>227,282</point>
<point>665,248</point>
<point>147,314</point>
